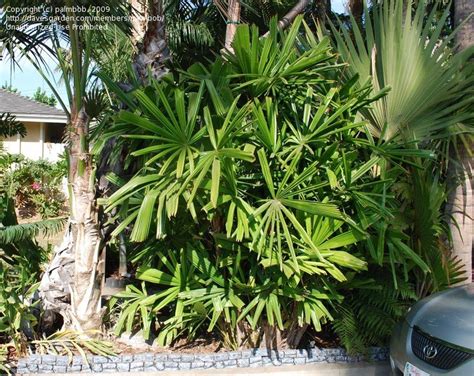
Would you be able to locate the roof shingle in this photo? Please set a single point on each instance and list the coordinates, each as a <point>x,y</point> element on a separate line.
<point>16,104</point>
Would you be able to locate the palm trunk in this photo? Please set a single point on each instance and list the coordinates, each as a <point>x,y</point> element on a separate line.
<point>71,286</point>
<point>233,19</point>
<point>85,311</point>
<point>138,19</point>
<point>153,52</point>
<point>460,200</point>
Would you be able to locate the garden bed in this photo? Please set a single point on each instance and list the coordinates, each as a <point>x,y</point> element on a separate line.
<point>152,362</point>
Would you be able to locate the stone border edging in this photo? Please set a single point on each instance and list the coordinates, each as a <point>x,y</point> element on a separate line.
<point>151,362</point>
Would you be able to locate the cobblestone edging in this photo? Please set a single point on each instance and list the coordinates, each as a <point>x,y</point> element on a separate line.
<point>172,361</point>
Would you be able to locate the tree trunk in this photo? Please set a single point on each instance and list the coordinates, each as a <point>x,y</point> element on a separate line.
<point>288,18</point>
<point>464,9</point>
<point>71,286</point>
<point>85,311</point>
<point>153,52</point>
<point>460,200</point>
<point>138,20</point>
<point>357,10</point>
<point>233,19</point>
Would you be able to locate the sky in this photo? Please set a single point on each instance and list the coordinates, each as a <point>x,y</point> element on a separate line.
<point>27,80</point>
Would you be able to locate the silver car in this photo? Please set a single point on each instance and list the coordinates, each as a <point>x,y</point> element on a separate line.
<point>437,336</point>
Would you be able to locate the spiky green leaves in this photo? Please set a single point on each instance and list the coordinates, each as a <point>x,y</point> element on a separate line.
<point>430,86</point>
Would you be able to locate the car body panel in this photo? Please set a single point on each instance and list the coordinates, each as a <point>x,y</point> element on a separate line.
<point>448,316</point>
<point>400,353</point>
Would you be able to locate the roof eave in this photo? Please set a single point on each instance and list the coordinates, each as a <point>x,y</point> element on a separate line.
<point>41,118</point>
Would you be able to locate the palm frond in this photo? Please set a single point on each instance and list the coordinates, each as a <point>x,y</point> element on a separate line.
<point>24,231</point>
<point>9,126</point>
<point>430,85</point>
<point>69,342</point>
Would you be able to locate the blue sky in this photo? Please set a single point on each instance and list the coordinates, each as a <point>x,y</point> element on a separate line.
<point>27,80</point>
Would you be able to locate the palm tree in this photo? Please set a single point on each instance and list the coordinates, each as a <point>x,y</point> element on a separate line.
<point>82,239</point>
<point>460,203</point>
<point>425,104</point>
<point>233,19</point>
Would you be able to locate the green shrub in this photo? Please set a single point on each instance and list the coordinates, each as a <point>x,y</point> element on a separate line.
<point>260,195</point>
<point>36,186</point>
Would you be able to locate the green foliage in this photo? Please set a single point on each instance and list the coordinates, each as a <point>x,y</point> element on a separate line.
<point>10,127</point>
<point>42,97</point>
<point>16,233</point>
<point>17,286</point>
<point>370,310</point>
<point>431,92</point>
<point>262,190</point>
<point>430,85</point>
<point>113,51</point>
<point>37,186</point>
<point>10,88</point>
<point>429,229</point>
<point>19,272</point>
<point>194,30</point>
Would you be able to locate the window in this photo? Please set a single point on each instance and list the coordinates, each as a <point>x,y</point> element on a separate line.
<point>54,133</point>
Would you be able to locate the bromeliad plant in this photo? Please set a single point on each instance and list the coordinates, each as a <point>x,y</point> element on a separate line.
<point>256,185</point>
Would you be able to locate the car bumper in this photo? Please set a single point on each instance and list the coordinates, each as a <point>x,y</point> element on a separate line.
<point>400,353</point>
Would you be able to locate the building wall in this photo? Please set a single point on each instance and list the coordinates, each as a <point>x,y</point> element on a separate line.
<point>33,145</point>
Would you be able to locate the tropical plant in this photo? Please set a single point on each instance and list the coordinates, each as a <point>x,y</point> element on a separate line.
<point>9,126</point>
<point>34,42</point>
<point>371,308</point>
<point>260,188</point>
<point>397,49</point>
<point>429,84</point>
<point>430,95</point>
<point>37,186</point>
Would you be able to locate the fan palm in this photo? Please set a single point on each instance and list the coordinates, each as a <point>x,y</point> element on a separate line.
<point>429,85</point>
<point>255,171</point>
<point>430,95</point>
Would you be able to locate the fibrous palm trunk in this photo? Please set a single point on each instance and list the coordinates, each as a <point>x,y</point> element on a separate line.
<point>460,201</point>
<point>153,51</point>
<point>85,312</point>
<point>71,286</point>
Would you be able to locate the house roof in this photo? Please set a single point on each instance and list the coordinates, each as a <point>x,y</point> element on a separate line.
<point>26,109</point>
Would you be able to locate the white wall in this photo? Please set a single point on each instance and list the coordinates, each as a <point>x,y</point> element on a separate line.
<point>32,146</point>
